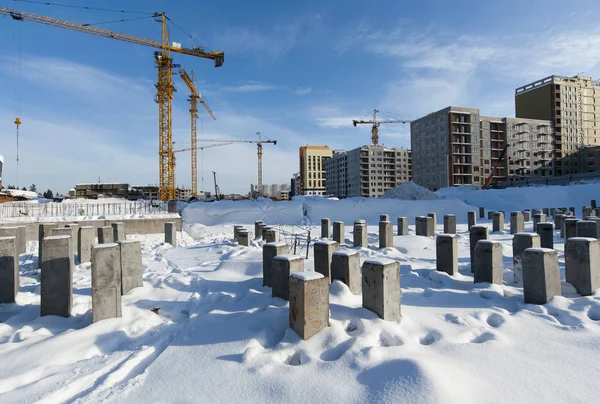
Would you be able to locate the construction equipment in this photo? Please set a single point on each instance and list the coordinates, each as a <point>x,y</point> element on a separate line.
<point>193,150</point>
<point>194,98</point>
<point>217,191</point>
<point>259,144</point>
<point>496,165</point>
<point>164,85</point>
<point>376,123</point>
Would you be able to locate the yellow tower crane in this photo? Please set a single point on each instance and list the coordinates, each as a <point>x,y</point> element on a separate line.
<point>164,85</point>
<point>195,96</point>
<point>375,123</point>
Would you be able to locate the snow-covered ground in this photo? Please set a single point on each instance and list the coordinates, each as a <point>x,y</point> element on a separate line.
<point>203,329</point>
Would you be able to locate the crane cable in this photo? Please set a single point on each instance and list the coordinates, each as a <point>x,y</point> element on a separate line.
<point>47,3</point>
<point>17,83</point>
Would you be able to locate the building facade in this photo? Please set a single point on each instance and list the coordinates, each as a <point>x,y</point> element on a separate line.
<point>367,171</point>
<point>312,169</point>
<point>295,185</point>
<point>572,104</point>
<point>1,167</point>
<point>456,146</point>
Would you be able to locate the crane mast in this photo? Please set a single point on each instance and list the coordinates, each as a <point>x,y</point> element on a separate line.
<point>376,123</point>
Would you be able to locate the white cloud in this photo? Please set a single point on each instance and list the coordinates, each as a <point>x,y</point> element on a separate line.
<point>303,90</point>
<point>249,87</point>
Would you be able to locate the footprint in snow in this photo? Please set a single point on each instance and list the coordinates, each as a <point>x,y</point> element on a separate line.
<point>387,339</point>
<point>485,337</point>
<point>495,320</point>
<point>431,337</point>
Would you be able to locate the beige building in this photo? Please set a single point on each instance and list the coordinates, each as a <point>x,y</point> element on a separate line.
<point>573,106</point>
<point>312,169</point>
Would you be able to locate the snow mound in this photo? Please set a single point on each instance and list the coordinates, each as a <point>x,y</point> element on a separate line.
<point>409,191</point>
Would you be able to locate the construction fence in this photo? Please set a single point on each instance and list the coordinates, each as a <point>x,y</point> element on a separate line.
<point>88,209</point>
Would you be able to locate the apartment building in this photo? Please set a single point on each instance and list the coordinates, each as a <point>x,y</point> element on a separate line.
<point>312,169</point>
<point>456,146</point>
<point>572,104</point>
<point>367,171</point>
<point>295,185</point>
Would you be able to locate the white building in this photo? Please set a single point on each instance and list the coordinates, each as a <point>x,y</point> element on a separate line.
<point>1,166</point>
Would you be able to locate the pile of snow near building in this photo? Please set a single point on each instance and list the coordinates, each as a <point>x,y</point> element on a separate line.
<point>409,191</point>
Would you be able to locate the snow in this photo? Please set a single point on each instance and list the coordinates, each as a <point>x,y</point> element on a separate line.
<point>204,329</point>
<point>345,253</point>
<point>21,193</point>
<point>307,276</point>
<point>409,191</point>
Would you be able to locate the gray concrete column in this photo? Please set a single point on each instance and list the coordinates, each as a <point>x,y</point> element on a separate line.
<point>283,266</point>
<point>381,288</point>
<point>243,238</point>
<point>429,226</point>
<point>22,239</point>
<point>446,250</point>
<point>15,231</point>
<point>309,303</point>
<point>57,276</point>
<point>106,234</point>
<point>271,235</point>
<point>258,229</point>
<point>593,203</point>
<point>434,217</point>
<point>75,234</point>
<point>44,229</point>
<point>106,282</point>
<point>131,265</point>
<point>386,234</point>
<point>596,220</point>
<point>498,224</point>
<point>339,232</point>
<point>384,218</point>
<point>325,228</point>
<point>360,234</point>
<point>170,233</point>
<point>450,224</point>
<point>586,228</point>
<point>490,214</point>
<point>536,212</point>
<point>471,218</point>
<point>558,222</point>
<point>521,242</point>
<point>9,269</point>
<point>517,222</point>
<point>402,226</point>
<point>345,267</point>
<point>236,228</point>
<point>569,228</point>
<point>552,212</point>
<point>67,231</point>
<point>85,239</point>
<point>420,229</point>
<point>487,262</point>
<point>541,275</point>
<point>270,251</point>
<point>526,216</point>
<point>119,233</point>
<point>546,233</point>
<point>572,210</point>
<point>323,250</point>
<point>582,264</point>
<point>539,218</point>
<point>481,212</point>
<point>476,233</point>
<point>546,211</point>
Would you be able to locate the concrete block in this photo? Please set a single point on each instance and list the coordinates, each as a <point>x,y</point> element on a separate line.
<point>309,303</point>
<point>541,275</point>
<point>243,238</point>
<point>582,264</point>
<point>170,233</point>
<point>271,235</point>
<point>572,210</point>
<point>450,224</point>
<point>270,251</point>
<point>419,226</point>
<point>44,229</point>
<point>67,231</point>
<point>546,233</point>
<point>107,236</point>
<point>325,228</point>
<point>119,233</point>
<point>446,250</point>
<point>476,233</point>
<point>384,218</point>
<point>521,242</point>
<point>526,216</point>
<point>539,218</point>
<point>558,218</point>
<point>597,210</point>
<point>236,228</point>
<point>536,212</point>
<point>9,269</point>
<point>262,227</point>
<point>546,211</point>
<point>386,234</point>
<point>381,288</point>
<point>498,224</point>
<point>569,228</point>
<point>586,228</point>
<point>360,234</point>
<point>323,250</point>
<point>490,215</point>
<point>471,218</point>
<point>283,266</point>
<point>258,229</point>
<point>106,282</point>
<point>481,212</point>
<point>86,237</point>
<point>487,262</point>
<point>552,212</point>
<point>130,254</point>
<point>517,222</point>
<point>434,217</point>
<point>339,232</point>
<point>57,276</point>
<point>345,267</point>
<point>19,233</point>
<point>593,203</point>
<point>429,226</point>
<point>75,233</point>
<point>402,226</point>
<point>596,220</point>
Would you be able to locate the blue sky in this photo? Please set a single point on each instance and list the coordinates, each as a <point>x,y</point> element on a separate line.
<point>297,71</point>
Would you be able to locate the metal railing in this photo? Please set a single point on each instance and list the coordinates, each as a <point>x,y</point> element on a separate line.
<point>34,209</point>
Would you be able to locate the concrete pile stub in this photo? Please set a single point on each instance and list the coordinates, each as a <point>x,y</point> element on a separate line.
<point>283,266</point>
<point>471,218</point>
<point>270,251</point>
<point>586,228</point>
<point>526,216</point>
<point>481,212</point>
<point>106,282</point>
<point>384,218</point>
<point>587,211</point>
<point>569,228</point>
<point>16,232</point>
<point>446,250</point>
<point>323,251</point>
<point>85,239</point>
<point>345,267</point>
<point>558,219</point>
<point>243,238</point>
<point>75,235</point>
<point>271,235</point>
<point>57,276</point>
<point>171,233</point>
<point>541,275</point>
<point>402,226</point>
<point>258,229</point>
<point>476,233</point>
<point>498,224</point>
<point>546,211</point>
<point>433,216</point>
<point>106,234</point>
<point>582,264</point>
<point>490,214</point>
<point>360,234</point>
<point>449,224</point>
<point>596,220</point>
<point>487,262</point>
<point>546,233</point>
<point>420,227</point>
<point>517,222</point>
<point>9,269</point>
<point>44,229</point>
<point>325,228</point>
<point>521,242</point>
<point>381,288</point>
<point>539,218</point>
<point>429,226</point>
<point>386,234</point>
<point>67,231</point>
<point>130,255</point>
<point>119,233</point>
<point>309,303</point>
<point>339,232</point>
